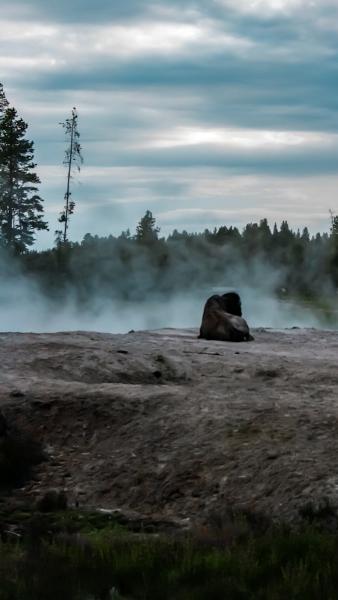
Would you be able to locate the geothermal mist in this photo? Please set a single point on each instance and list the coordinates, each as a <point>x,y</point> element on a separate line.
<point>24,308</point>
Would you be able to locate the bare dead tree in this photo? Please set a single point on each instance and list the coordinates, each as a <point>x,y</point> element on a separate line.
<point>73,158</point>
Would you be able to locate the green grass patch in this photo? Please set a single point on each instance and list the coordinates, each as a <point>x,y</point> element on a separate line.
<point>89,557</point>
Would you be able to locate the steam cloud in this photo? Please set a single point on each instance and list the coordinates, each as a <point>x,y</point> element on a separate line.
<point>25,308</point>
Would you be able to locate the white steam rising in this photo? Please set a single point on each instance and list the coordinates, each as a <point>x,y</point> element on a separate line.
<point>23,308</point>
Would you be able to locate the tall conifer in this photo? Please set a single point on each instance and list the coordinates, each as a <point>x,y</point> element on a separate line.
<point>21,210</point>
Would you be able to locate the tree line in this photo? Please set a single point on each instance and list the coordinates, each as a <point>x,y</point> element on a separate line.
<point>134,266</point>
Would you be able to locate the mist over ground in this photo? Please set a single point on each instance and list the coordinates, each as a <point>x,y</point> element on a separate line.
<point>142,281</point>
<point>25,307</point>
<point>25,310</point>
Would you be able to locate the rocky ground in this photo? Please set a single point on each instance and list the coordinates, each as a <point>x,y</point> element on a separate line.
<point>166,425</point>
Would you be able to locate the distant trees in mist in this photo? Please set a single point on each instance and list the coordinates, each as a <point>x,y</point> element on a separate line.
<point>134,266</point>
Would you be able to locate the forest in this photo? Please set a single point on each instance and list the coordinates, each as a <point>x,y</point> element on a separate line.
<point>133,266</point>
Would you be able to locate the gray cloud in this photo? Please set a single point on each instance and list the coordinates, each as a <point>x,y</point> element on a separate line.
<point>76,11</point>
<point>259,92</point>
<point>137,70</point>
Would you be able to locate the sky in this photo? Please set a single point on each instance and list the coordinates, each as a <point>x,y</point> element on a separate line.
<point>206,112</point>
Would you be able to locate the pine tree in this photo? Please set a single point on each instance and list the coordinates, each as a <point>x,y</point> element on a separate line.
<point>334,225</point>
<point>3,101</point>
<point>20,206</point>
<point>275,232</point>
<point>73,157</point>
<point>146,231</point>
<point>305,237</point>
<point>333,245</point>
<point>125,235</point>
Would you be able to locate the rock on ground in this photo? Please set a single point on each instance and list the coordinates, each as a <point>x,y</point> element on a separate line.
<point>164,424</point>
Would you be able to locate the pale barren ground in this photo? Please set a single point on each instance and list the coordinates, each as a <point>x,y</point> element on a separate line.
<point>163,424</point>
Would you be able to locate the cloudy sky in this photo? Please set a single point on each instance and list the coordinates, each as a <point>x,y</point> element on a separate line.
<point>207,112</point>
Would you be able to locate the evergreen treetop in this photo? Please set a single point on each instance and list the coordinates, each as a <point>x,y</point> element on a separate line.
<point>146,230</point>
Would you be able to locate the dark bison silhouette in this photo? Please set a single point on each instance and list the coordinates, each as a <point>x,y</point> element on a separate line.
<point>222,319</point>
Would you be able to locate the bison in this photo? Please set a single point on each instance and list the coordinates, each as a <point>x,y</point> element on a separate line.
<point>222,319</point>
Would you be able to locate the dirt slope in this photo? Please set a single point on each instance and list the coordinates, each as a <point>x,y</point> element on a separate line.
<point>164,424</point>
